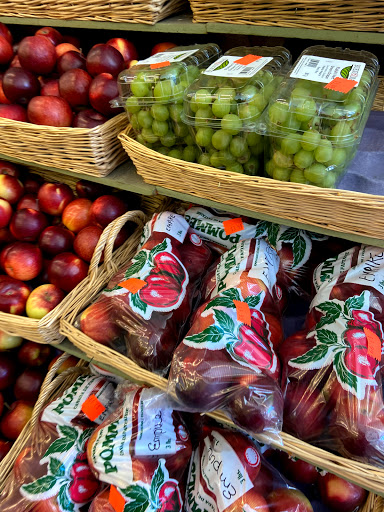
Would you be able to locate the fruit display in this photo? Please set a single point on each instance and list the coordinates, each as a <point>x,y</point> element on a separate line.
<point>142,450</point>
<point>144,310</point>
<point>224,103</point>
<point>313,124</point>
<point>332,371</point>
<point>152,93</point>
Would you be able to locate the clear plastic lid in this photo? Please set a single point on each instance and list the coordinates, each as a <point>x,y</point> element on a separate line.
<point>164,77</point>
<point>236,88</point>
<point>329,92</point>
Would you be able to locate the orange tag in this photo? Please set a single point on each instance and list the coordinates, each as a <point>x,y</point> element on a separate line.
<point>116,499</point>
<point>247,59</point>
<point>243,312</point>
<point>133,284</point>
<point>158,65</point>
<point>341,84</point>
<point>233,225</point>
<point>374,344</point>
<point>92,407</point>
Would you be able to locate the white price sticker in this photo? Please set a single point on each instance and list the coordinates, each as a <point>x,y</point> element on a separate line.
<point>324,70</point>
<point>227,66</point>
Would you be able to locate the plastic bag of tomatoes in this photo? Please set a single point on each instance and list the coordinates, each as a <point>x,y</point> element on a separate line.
<point>145,307</point>
<point>228,360</point>
<point>51,474</point>
<point>142,451</point>
<point>333,369</point>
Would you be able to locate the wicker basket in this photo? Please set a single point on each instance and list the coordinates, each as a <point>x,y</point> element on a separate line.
<point>378,104</point>
<point>46,330</point>
<point>94,152</point>
<point>338,210</point>
<point>134,11</point>
<point>353,15</point>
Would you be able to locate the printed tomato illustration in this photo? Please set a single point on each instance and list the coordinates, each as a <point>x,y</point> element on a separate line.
<point>167,263</point>
<point>160,290</point>
<point>84,485</point>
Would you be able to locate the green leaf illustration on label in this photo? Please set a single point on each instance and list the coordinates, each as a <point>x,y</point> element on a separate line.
<point>344,73</point>
<point>273,231</point>
<point>63,499</point>
<point>211,334</point>
<point>41,485</point>
<point>157,481</point>
<point>56,467</point>
<point>138,498</point>
<point>225,302</point>
<point>253,300</point>
<point>299,248</point>
<point>222,65</point>
<point>225,321</point>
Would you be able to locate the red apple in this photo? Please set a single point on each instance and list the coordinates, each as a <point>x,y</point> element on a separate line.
<point>74,86</point>
<point>54,197</point>
<point>51,88</point>
<point>37,54</point>
<point>126,48</point>
<point>162,47</point>
<point>20,85</point>
<point>22,260</point>
<point>90,189</point>
<point>5,446</point>
<point>10,169</point>
<point>15,419</point>
<point>13,295</point>
<point>340,495</point>
<point>77,214</point>
<point>1,404</point>
<point>264,481</point>
<point>103,89</point>
<point>33,354</point>
<point>63,48</point>
<point>67,270</point>
<point>5,32</point>
<point>70,60</point>
<point>298,470</point>
<point>51,33</point>
<point>68,363</point>
<point>56,239</point>
<point>103,58</point>
<point>13,112</point>
<point>288,500</point>
<point>250,501</point>
<point>11,188</point>
<point>97,322</point>
<point>5,236</point>
<point>42,300</point>
<point>6,51</point>
<point>49,111</point>
<point>3,99</point>
<point>5,213</point>
<point>8,371</point>
<point>32,183</point>
<point>107,208</point>
<point>28,384</point>
<point>28,201</point>
<point>9,342</point>
<point>86,241</point>
<point>75,41</point>
<point>88,119</point>
<point>27,224</point>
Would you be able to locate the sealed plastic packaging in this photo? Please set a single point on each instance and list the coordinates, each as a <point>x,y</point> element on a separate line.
<point>228,360</point>
<point>332,371</point>
<point>52,471</point>
<point>142,450</point>
<point>144,309</point>
<point>222,106</point>
<point>315,119</point>
<point>152,94</point>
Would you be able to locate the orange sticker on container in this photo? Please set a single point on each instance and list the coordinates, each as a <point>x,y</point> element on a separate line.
<point>243,312</point>
<point>158,65</point>
<point>341,84</point>
<point>233,225</point>
<point>374,344</point>
<point>116,499</point>
<point>92,407</point>
<point>247,59</point>
<point>133,284</point>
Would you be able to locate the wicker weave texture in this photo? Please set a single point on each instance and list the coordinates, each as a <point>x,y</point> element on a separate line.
<point>126,11</point>
<point>366,15</point>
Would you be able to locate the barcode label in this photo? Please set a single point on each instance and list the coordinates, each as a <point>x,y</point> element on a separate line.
<point>227,67</point>
<point>324,70</point>
<point>313,63</point>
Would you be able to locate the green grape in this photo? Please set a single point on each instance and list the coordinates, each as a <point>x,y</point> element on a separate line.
<point>281,173</point>
<point>160,112</point>
<point>140,89</point>
<point>141,139</point>
<point>281,160</point>
<point>244,157</point>
<point>305,109</point>
<point>221,139</point>
<point>216,160</point>
<point>259,102</point>
<point>231,124</point>
<point>269,166</point>
<point>203,97</point>
<point>313,124</point>
<point>171,73</point>
<point>226,94</point>
<point>234,108</point>
<point>330,94</point>
<point>353,109</point>
<point>251,167</point>
<point>310,140</point>
<point>160,128</point>
<point>220,109</point>
<point>324,151</point>
<point>176,153</point>
<point>292,123</point>
<point>300,92</point>
<point>204,136</point>
<point>204,159</point>
<point>149,136</point>
<point>339,156</point>
<point>178,91</point>
<point>235,167</point>
<point>238,146</point>
<point>189,154</point>
<point>257,149</point>
<point>315,173</point>
<point>189,140</point>
<point>303,159</point>
<point>168,140</point>
<point>341,132</point>
<point>132,105</point>
<point>248,111</point>
<point>226,157</point>
<point>278,112</point>
<point>253,138</point>
<point>175,112</point>
<point>210,149</point>
<point>163,91</point>
<point>269,89</point>
<point>193,72</point>
<point>291,144</point>
<point>203,115</point>
<point>329,180</point>
<point>180,129</point>
<point>145,119</point>
<point>248,93</point>
<point>135,122</point>
<point>297,176</point>
<point>163,150</point>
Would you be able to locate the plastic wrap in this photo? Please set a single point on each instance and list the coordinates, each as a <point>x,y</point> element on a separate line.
<point>142,450</point>
<point>145,307</point>
<point>332,370</point>
<point>51,473</point>
<point>227,360</point>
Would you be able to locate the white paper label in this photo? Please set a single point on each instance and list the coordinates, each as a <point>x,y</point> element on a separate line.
<point>196,497</point>
<point>101,372</point>
<point>331,268</point>
<point>226,66</point>
<point>167,56</point>
<point>369,270</point>
<point>324,70</point>
<point>165,222</point>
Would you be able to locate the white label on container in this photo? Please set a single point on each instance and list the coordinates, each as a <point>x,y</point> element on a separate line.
<point>324,70</point>
<point>167,57</point>
<point>226,67</point>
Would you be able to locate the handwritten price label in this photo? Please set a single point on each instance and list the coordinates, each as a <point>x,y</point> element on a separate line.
<point>92,407</point>
<point>233,226</point>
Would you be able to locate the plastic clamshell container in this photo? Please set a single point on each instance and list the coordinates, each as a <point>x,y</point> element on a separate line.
<point>316,117</point>
<point>223,104</point>
<point>152,94</point>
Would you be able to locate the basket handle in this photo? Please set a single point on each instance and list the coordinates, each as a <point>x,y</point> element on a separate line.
<point>107,239</point>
